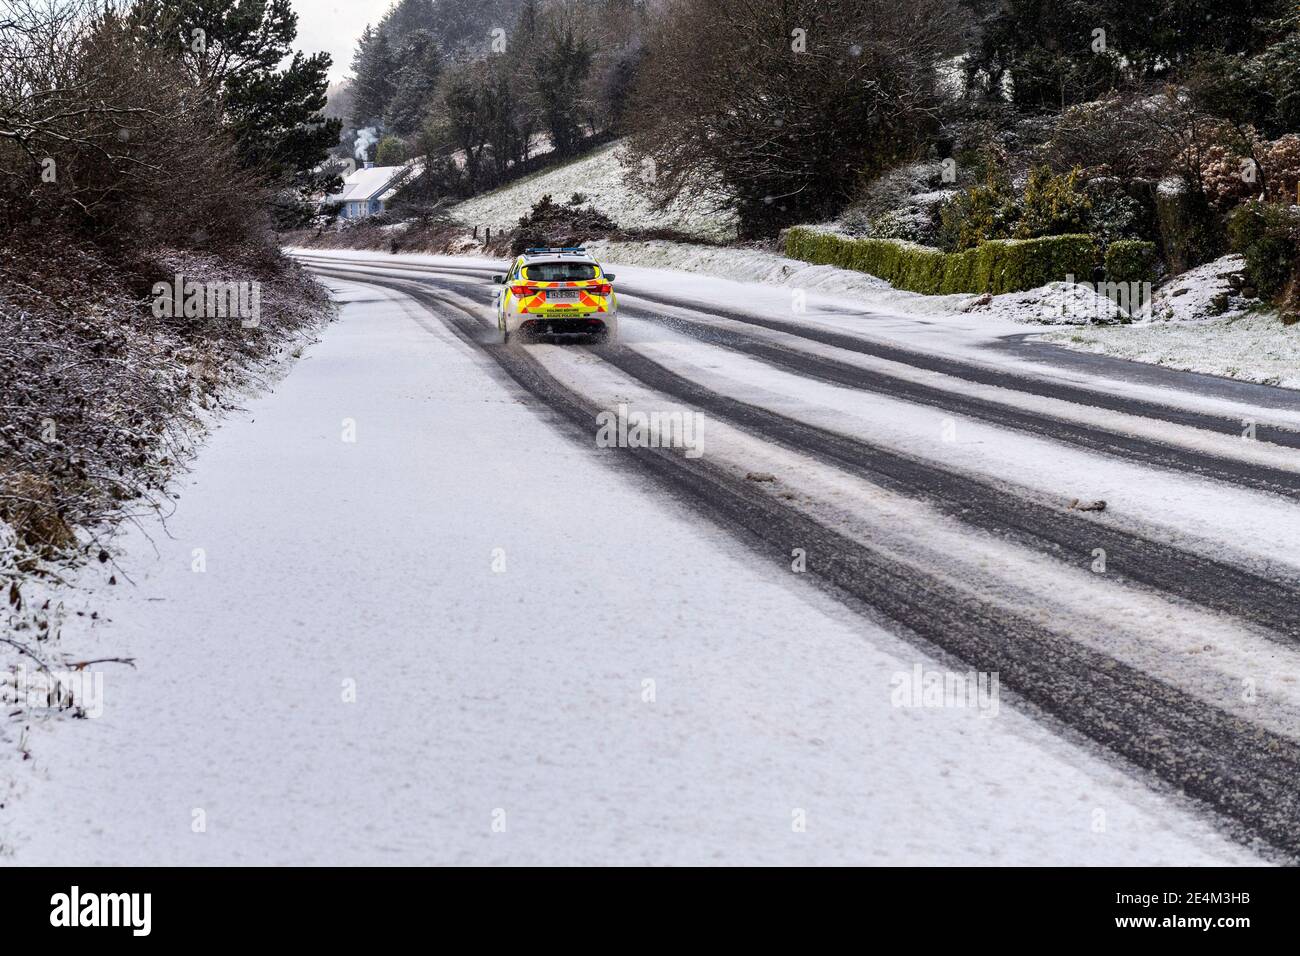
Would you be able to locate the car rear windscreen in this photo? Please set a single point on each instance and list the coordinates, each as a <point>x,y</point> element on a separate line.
<point>559,271</point>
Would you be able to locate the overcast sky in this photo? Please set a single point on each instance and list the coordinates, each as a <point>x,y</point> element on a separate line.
<point>333,26</point>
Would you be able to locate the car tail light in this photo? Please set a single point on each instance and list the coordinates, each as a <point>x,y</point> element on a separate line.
<point>603,288</point>
<point>522,290</point>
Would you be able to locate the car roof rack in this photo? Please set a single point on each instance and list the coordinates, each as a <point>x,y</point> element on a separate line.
<point>555,250</point>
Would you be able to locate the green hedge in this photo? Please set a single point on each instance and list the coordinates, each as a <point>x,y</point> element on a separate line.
<point>1131,260</point>
<point>1002,265</point>
<point>1267,235</point>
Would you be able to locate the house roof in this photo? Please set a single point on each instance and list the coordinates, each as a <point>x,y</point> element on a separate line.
<point>365,184</point>
<point>415,169</point>
<point>378,182</point>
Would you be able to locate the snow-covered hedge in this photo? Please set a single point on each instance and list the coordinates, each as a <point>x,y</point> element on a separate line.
<point>997,266</point>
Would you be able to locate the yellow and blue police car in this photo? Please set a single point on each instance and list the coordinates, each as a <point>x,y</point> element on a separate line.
<point>556,291</point>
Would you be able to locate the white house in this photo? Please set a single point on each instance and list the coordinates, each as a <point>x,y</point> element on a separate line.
<point>367,191</point>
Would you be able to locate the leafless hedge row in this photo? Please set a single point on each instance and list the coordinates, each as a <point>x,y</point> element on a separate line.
<point>105,135</point>
<point>96,390</point>
<point>115,174</point>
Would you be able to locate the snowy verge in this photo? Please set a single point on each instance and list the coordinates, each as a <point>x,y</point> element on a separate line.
<point>1255,347</point>
<point>1205,292</point>
<point>1201,322</point>
<point>172,386</point>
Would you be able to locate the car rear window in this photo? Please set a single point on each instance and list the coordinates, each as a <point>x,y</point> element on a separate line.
<point>559,271</point>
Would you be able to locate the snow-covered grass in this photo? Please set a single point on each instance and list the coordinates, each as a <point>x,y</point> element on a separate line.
<point>1201,293</point>
<point>1200,323</point>
<point>1255,347</point>
<point>603,179</point>
<point>1057,303</point>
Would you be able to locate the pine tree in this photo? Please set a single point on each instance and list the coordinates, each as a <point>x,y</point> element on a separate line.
<point>419,67</point>
<point>234,51</point>
<point>373,78</point>
<point>408,17</point>
<point>560,72</point>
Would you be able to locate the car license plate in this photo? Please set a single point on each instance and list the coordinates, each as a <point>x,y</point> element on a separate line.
<point>562,295</point>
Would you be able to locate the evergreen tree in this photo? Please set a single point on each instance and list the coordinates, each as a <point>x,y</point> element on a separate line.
<point>373,78</point>
<point>1044,53</point>
<point>233,51</point>
<point>560,73</point>
<point>408,17</point>
<point>419,67</point>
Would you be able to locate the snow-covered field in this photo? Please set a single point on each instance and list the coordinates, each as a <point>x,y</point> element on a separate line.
<point>602,178</point>
<point>1199,323</point>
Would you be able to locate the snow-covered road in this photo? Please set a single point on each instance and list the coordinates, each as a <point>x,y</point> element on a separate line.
<point>434,623</point>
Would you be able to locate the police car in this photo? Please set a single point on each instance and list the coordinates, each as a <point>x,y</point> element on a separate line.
<point>556,291</point>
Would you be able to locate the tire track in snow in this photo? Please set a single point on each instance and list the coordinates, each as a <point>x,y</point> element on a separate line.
<point>1232,766</point>
<point>1090,437</point>
<point>1130,558</point>
<point>988,375</point>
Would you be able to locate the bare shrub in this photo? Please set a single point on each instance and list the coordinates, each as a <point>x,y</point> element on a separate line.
<point>107,136</point>
<point>784,104</point>
<point>116,172</point>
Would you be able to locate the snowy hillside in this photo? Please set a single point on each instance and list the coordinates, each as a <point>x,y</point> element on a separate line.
<point>599,176</point>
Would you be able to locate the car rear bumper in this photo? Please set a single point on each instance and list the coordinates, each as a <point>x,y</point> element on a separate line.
<point>563,325</point>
